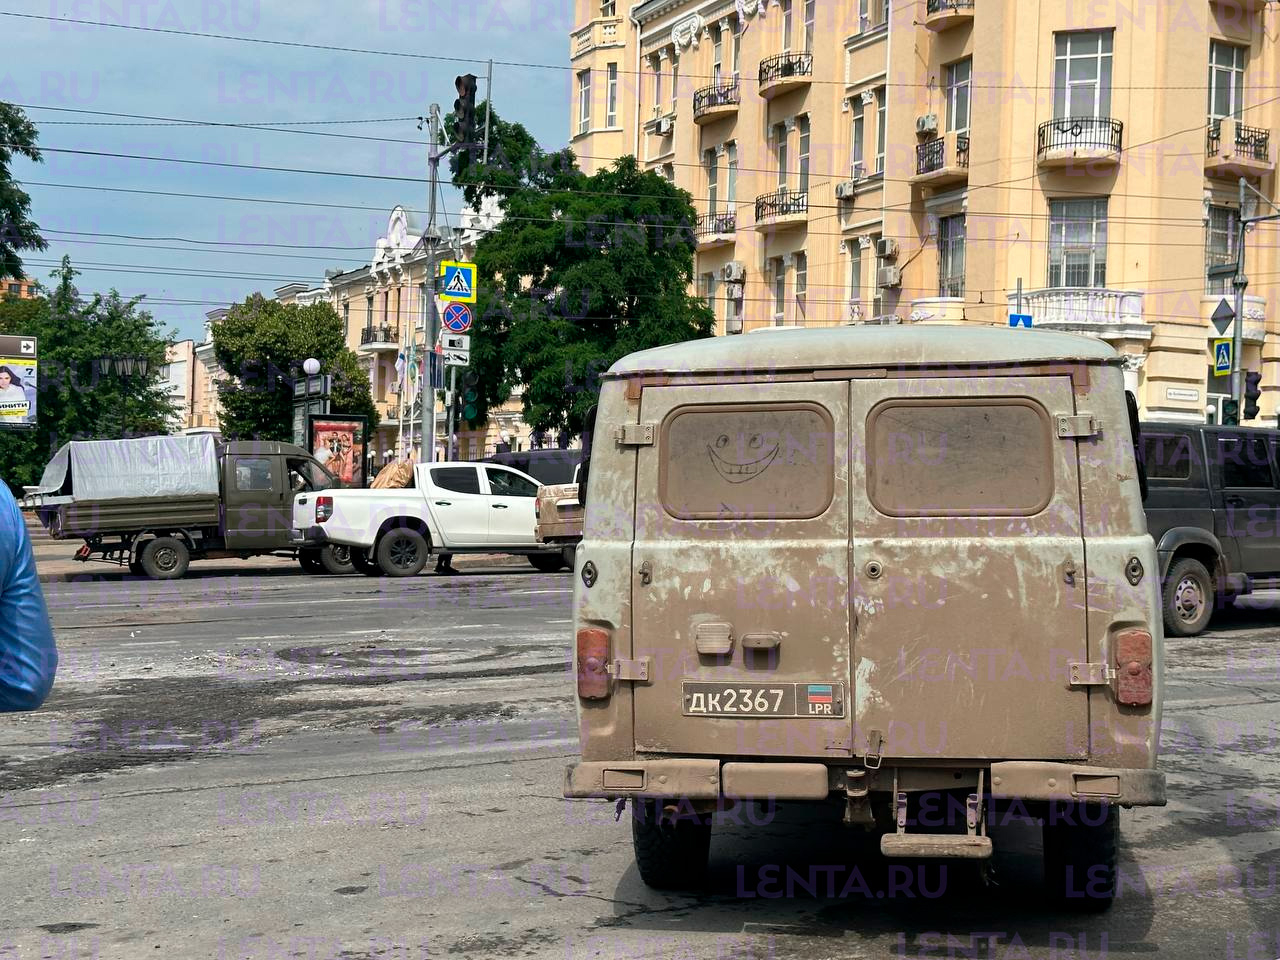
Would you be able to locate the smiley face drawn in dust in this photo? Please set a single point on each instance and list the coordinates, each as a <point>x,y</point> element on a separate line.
<point>740,471</point>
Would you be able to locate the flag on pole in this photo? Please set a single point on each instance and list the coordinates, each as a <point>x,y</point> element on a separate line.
<point>400,365</point>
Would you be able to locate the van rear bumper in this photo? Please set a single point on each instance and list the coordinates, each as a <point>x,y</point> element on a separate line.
<point>709,779</point>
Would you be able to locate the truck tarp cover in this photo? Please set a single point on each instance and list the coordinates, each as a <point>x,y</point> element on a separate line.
<point>185,466</point>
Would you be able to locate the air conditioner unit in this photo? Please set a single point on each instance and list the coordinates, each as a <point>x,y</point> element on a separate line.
<point>886,249</point>
<point>844,190</point>
<point>927,125</point>
<point>733,272</point>
<point>888,277</point>
<point>665,126</point>
<point>733,325</point>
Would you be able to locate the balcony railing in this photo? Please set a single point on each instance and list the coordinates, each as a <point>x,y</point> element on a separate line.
<point>720,224</point>
<point>786,65</point>
<point>1251,142</point>
<point>931,156</point>
<point>381,333</point>
<point>1083,308</point>
<point>1074,133</point>
<point>782,203</point>
<point>942,6</point>
<point>716,95</point>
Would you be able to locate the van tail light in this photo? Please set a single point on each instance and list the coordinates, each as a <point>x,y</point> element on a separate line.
<point>1133,667</point>
<point>593,663</point>
<point>324,509</point>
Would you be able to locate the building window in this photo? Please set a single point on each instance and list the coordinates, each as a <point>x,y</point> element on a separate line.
<point>1082,75</point>
<point>731,176</point>
<point>657,87</point>
<point>736,48</point>
<point>609,8</point>
<point>802,123</point>
<point>713,176</point>
<point>1078,243</point>
<point>857,142</point>
<point>368,310</point>
<point>780,145</point>
<point>346,318</point>
<point>707,289</point>
<point>611,99</point>
<point>885,9</point>
<point>1221,233</point>
<point>882,123</point>
<point>864,16</point>
<point>810,15</point>
<point>959,80</point>
<point>717,53</point>
<point>1226,80</point>
<point>15,289</point>
<point>802,282</point>
<point>584,101</point>
<point>786,26</point>
<point>779,292</point>
<point>877,297</point>
<point>855,274</point>
<point>951,256</point>
<point>675,82</point>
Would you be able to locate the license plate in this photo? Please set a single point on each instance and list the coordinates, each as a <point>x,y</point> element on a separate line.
<point>823,700</point>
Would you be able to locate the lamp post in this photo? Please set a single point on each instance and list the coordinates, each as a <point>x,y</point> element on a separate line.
<point>123,368</point>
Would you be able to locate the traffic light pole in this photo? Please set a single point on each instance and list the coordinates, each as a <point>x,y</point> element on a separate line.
<point>453,392</point>
<point>425,386</point>
<point>1238,283</point>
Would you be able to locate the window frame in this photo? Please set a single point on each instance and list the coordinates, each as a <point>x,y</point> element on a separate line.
<point>1235,71</point>
<point>804,136</point>
<point>779,281</point>
<point>491,469</point>
<point>435,482</point>
<point>956,87</point>
<point>780,153</point>
<point>1221,464</point>
<point>800,286</point>
<point>711,167</point>
<point>1229,232</point>
<point>1097,249</point>
<point>857,139</point>
<point>611,95</point>
<point>730,175</point>
<point>584,102</point>
<point>882,125</point>
<point>951,255</point>
<point>1101,82</point>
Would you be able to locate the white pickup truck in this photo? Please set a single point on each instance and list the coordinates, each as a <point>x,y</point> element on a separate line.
<point>452,507</point>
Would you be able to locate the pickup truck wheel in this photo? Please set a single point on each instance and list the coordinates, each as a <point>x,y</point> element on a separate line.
<point>671,851</point>
<point>1081,843</point>
<point>1187,598</point>
<point>362,564</point>
<point>336,558</point>
<point>546,562</point>
<point>402,552</point>
<point>165,558</point>
<point>309,560</point>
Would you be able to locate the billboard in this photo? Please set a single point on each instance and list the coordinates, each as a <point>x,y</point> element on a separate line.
<point>17,382</point>
<point>337,441</point>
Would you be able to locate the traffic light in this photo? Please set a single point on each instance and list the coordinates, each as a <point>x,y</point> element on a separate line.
<point>464,109</point>
<point>470,391</point>
<point>1230,413</point>
<point>1252,392</point>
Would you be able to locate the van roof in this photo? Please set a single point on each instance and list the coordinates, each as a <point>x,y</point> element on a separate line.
<point>866,346</point>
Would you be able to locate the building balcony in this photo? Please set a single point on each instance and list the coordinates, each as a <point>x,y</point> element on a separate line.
<point>380,337</point>
<point>937,310</point>
<point>1067,141</point>
<point>943,160</point>
<point>716,101</point>
<point>1235,150</point>
<point>601,32</point>
<point>944,14</point>
<point>785,72</point>
<point>715,229</point>
<point>782,208</point>
<point>1093,311</point>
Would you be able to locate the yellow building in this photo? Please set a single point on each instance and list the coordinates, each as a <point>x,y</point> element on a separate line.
<point>875,161</point>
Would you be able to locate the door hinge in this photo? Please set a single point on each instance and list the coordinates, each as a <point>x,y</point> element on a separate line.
<point>1078,425</point>
<point>635,434</point>
<point>629,669</point>
<point>1090,674</point>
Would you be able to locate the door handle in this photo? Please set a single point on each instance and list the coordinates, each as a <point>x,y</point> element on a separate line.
<point>499,506</point>
<point>1235,501</point>
<point>444,503</point>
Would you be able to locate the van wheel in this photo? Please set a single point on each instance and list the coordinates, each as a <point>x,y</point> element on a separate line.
<point>671,851</point>
<point>1081,843</point>
<point>402,552</point>
<point>336,558</point>
<point>546,562</point>
<point>309,560</point>
<point>362,564</point>
<point>1187,598</point>
<point>164,558</point>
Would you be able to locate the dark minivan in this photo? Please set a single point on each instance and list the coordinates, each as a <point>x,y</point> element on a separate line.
<point>1213,509</point>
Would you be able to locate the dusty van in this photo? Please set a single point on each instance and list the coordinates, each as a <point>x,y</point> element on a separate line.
<point>899,569</point>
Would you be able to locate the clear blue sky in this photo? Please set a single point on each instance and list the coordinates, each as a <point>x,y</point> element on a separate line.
<point>50,64</point>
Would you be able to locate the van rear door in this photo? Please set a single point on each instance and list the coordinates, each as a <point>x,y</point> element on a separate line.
<point>969,589</point>
<point>740,570</point>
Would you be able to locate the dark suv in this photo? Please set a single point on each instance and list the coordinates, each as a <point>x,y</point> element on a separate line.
<point>1213,509</point>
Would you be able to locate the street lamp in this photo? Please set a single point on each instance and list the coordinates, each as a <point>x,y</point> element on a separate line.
<point>123,368</point>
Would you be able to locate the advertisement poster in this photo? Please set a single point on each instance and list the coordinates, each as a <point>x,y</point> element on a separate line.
<point>17,382</point>
<point>337,442</point>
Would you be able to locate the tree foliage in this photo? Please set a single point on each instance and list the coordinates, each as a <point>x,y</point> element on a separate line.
<point>17,231</point>
<point>515,161</point>
<point>76,400</point>
<point>261,345</point>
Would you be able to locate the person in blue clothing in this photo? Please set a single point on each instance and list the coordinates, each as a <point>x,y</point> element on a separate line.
<point>28,656</point>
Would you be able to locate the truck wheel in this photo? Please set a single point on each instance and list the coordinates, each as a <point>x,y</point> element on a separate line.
<point>164,558</point>
<point>336,558</point>
<point>1187,598</point>
<point>309,560</point>
<point>362,564</point>
<point>546,562</point>
<point>1081,842</point>
<point>135,567</point>
<point>402,552</point>
<point>671,852</point>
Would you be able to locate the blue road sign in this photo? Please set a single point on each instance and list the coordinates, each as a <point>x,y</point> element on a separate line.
<point>459,281</point>
<point>1020,320</point>
<point>457,318</point>
<point>1221,357</point>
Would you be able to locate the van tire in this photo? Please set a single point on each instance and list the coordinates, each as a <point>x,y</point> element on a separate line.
<point>164,558</point>
<point>336,559</point>
<point>1187,598</point>
<point>1080,856</point>
<point>309,560</point>
<point>670,854</point>
<point>547,562</point>
<point>402,552</point>
<point>362,564</point>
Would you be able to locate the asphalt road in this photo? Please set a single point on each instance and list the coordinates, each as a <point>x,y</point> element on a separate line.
<point>289,766</point>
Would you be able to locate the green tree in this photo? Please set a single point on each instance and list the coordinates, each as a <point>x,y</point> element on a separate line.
<point>17,231</point>
<point>515,161</point>
<point>75,398</point>
<point>261,344</point>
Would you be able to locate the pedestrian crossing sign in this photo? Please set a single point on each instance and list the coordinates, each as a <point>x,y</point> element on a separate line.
<point>1221,357</point>
<point>459,281</point>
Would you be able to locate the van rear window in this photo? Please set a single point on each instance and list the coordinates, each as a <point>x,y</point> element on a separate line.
<point>750,461</point>
<point>959,457</point>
